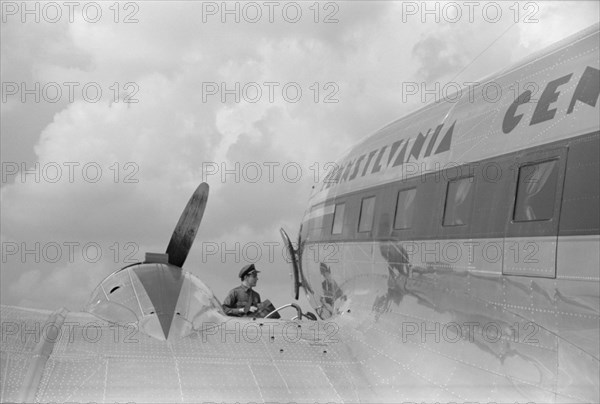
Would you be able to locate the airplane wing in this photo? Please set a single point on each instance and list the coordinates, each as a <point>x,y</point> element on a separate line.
<point>67,356</point>
<point>75,357</point>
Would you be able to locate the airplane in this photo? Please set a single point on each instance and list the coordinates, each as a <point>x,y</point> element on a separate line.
<point>453,255</point>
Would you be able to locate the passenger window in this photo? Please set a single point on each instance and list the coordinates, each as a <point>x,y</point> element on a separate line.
<point>367,210</point>
<point>536,191</point>
<point>458,202</point>
<point>404,208</point>
<point>338,218</point>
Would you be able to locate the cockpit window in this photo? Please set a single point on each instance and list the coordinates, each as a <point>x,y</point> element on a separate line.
<point>458,202</point>
<point>536,191</point>
<point>367,211</point>
<point>338,218</point>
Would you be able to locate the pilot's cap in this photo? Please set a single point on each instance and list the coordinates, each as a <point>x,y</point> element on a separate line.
<point>247,270</point>
<point>324,268</point>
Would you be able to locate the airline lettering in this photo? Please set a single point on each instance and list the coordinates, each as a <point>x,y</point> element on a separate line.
<point>587,91</point>
<point>397,154</point>
<point>403,151</point>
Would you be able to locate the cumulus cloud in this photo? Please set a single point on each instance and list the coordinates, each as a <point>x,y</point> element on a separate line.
<point>166,141</point>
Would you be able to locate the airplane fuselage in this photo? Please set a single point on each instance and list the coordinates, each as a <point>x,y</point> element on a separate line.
<point>469,232</point>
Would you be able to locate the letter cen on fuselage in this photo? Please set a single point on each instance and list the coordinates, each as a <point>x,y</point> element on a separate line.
<point>587,91</point>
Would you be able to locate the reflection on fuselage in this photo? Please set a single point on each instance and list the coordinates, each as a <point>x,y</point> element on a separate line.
<point>514,327</point>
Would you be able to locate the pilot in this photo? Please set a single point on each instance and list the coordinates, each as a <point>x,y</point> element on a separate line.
<point>243,301</point>
<point>331,290</point>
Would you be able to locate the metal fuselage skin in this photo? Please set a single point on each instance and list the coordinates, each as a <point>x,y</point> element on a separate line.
<point>463,240</point>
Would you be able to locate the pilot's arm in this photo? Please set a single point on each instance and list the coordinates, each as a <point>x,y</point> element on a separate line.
<point>258,301</point>
<point>230,305</point>
<point>255,299</point>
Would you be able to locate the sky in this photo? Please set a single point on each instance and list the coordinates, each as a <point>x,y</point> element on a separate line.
<point>113,113</point>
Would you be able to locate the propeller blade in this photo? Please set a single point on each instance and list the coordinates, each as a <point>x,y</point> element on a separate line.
<point>187,226</point>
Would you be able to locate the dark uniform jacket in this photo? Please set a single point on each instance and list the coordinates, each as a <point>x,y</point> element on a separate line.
<point>240,297</point>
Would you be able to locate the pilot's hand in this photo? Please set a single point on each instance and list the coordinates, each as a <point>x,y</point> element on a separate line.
<point>253,309</point>
<point>241,310</point>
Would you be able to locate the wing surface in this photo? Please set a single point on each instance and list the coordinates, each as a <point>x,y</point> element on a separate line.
<point>240,360</point>
<point>75,357</point>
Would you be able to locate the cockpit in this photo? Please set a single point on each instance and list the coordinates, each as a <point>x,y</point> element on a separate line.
<point>160,299</point>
